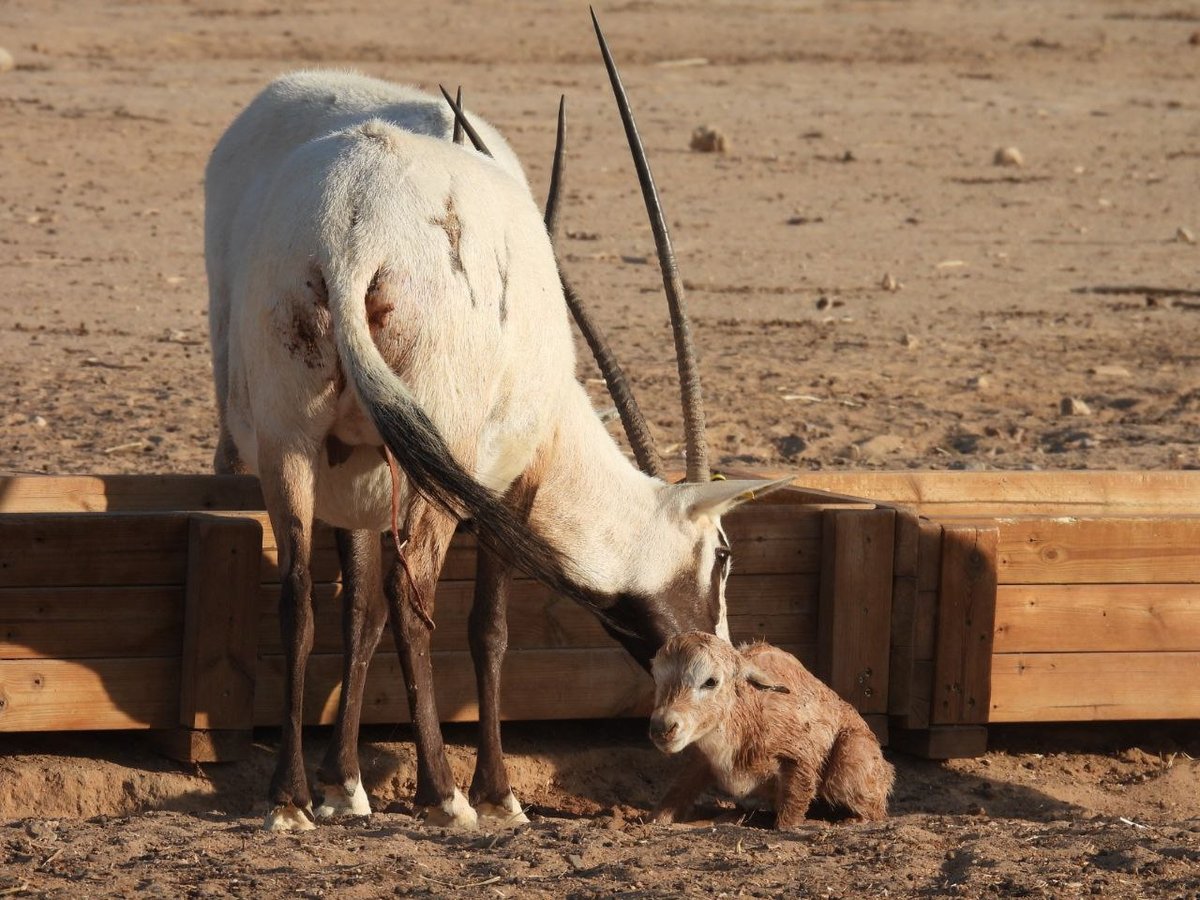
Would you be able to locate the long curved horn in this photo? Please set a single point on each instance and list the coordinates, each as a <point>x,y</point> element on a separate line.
<point>458,129</point>
<point>556,171</point>
<point>460,118</point>
<point>689,376</point>
<point>636,429</point>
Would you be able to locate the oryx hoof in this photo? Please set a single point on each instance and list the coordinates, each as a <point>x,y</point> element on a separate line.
<point>453,813</point>
<point>505,814</point>
<point>347,799</point>
<point>289,817</point>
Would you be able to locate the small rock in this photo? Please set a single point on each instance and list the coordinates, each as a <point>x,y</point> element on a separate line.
<point>1008,156</point>
<point>1073,406</point>
<point>889,283</point>
<point>709,140</point>
<point>1109,371</point>
<point>1194,39</point>
<point>979,382</point>
<point>39,422</point>
<point>910,341</point>
<point>1184,235</point>
<point>576,861</point>
<point>7,63</point>
<point>790,445</point>
<point>822,303</point>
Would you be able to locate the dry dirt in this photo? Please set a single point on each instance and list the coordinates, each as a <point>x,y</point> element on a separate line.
<point>869,288</point>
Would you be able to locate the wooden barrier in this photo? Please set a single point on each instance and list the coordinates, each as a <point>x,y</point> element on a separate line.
<point>936,602</point>
<point>152,603</point>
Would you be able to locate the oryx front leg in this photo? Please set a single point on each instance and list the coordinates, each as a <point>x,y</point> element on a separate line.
<point>410,588</point>
<point>364,613</point>
<point>287,484</point>
<point>491,794</point>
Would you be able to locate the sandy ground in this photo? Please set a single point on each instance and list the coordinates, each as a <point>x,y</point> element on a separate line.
<point>868,287</point>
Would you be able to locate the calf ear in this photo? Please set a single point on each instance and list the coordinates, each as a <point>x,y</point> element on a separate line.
<point>762,681</point>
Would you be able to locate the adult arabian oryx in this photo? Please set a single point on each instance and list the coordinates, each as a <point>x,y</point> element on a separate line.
<point>392,351</point>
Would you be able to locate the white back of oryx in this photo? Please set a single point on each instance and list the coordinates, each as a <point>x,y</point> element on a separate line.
<point>291,111</point>
<point>373,198</point>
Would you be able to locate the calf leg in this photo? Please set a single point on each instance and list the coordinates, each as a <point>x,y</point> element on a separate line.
<point>797,788</point>
<point>695,778</point>
<point>491,794</point>
<point>287,484</point>
<point>364,613</point>
<point>410,583</point>
<point>857,777</point>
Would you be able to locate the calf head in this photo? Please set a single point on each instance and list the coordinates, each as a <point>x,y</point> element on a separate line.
<point>697,679</point>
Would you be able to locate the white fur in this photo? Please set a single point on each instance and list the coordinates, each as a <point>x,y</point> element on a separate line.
<point>344,800</point>
<point>281,187</point>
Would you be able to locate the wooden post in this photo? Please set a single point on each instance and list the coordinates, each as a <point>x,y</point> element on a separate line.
<point>854,621</point>
<point>904,607</point>
<point>965,622</point>
<point>220,641</point>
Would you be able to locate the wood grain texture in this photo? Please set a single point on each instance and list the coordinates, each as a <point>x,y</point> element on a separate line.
<point>854,622</point>
<point>1089,687</point>
<point>965,623</point>
<point>89,695</point>
<point>1083,550</point>
<point>780,608</point>
<point>83,622</point>
<point>220,633</point>
<point>128,493</point>
<point>1046,618</point>
<point>75,550</point>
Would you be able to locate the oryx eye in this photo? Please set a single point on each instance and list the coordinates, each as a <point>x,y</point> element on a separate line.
<point>710,684</point>
<point>723,554</point>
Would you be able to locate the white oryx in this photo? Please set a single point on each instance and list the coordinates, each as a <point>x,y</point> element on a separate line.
<point>392,351</point>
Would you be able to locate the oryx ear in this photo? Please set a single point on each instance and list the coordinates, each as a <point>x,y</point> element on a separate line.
<point>762,681</point>
<point>713,499</point>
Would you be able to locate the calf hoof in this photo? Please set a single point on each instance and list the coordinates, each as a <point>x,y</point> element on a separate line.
<point>505,814</point>
<point>453,813</point>
<point>347,799</point>
<point>289,817</point>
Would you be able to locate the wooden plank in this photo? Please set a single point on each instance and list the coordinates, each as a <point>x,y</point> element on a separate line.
<point>854,622</point>
<point>965,621</point>
<point>766,540</point>
<point>1048,618</point>
<point>1127,550</point>
<point>1087,687</point>
<point>127,493</point>
<point>65,623</point>
<point>69,550</point>
<point>929,568</point>
<point>940,741</point>
<point>537,685</point>
<point>220,635</point>
<point>88,695</point>
<point>905,564</point>
<point>780,608</point>
<point>1166,490</point>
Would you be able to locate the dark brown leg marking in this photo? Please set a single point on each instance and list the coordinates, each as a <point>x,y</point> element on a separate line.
<point>488,634</point>
<point>429,534</point>
<point>364,613</point>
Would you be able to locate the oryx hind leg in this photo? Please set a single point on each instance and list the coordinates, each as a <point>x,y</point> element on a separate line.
<point>287,479</point>
<point>410,587</point>
<point>491,794</point>
<point>364,613</point>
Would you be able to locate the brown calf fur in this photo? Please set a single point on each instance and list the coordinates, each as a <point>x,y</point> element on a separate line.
<point>758,724</point>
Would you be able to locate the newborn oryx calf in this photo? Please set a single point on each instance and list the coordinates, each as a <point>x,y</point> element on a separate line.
<point>762,726</point>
